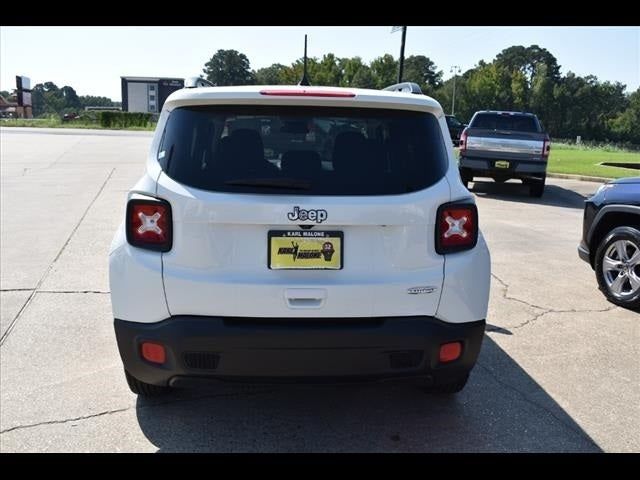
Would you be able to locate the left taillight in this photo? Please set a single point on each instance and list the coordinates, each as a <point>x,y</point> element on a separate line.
<point>457,227</point>
<point>149,224</point>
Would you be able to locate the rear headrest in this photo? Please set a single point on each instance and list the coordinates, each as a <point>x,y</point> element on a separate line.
<point>301,163</point>
<point>246,146</point>
<point>349,150</point>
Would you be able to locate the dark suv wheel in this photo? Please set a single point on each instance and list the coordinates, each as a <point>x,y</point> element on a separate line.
<point>617,265</point>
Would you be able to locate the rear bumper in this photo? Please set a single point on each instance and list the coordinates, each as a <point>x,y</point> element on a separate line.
<point>517,168</point>
<point>302,349</point>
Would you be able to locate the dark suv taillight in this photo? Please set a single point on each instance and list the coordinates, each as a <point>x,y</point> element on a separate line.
<point>149,224</point>
<point>456,228</point>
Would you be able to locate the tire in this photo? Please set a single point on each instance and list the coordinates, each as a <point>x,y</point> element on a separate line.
<point>536,188</point>
<point>466,177</point>
<point>144,389</point>
<point>448,388</point>
<point>619,279</point>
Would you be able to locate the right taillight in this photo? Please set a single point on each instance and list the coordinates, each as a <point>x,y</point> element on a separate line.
<point>463,141</point>
<point>149,224</point>
<point>457,227</point>
<point>546,148</point>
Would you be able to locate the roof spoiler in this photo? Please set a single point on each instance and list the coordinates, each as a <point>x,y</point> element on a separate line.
<point>196,82</point>
<point>406,87</point>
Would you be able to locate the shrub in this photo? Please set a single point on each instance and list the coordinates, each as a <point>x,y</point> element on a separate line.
<point>123,119</point>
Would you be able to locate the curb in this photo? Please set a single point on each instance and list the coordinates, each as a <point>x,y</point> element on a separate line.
<point>583,178</point>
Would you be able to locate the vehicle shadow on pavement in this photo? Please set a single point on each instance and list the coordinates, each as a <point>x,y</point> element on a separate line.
<point>501,409</point>
<point>554,195</point>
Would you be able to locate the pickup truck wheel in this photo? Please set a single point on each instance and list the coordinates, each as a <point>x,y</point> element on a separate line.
<point>144,389</point>
<point>466,177</point>
<point>617,264</point>
<point>536,188</point>
<point>448,388</point>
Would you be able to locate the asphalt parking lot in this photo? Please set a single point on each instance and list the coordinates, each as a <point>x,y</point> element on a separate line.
<point>559,369</point>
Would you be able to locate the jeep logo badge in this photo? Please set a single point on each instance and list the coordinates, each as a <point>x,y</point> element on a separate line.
<point>298,213</point>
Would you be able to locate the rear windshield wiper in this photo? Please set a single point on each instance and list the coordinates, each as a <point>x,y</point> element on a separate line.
<point>285,183</point>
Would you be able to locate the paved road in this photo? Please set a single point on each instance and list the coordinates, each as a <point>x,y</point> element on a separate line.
<point>559,369</point>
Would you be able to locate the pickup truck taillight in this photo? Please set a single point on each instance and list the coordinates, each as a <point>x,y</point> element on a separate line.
<point>457,227</point>
<point>149,225</point>
<point>463,141</point>
<point>546,148</point>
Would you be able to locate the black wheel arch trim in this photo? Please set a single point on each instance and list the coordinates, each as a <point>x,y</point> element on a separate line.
<point>607,209</point>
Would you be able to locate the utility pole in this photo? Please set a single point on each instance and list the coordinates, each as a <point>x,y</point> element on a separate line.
<point>401,63</point>
<point>455,69</point>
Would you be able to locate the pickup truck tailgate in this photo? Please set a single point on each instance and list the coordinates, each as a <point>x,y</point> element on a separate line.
<point>497,144</point>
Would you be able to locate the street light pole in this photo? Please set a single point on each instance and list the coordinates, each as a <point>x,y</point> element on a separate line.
<point>455,69</point>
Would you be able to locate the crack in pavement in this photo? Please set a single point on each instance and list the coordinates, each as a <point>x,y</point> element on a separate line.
<point>120,410</point>
<point>545,310</point>
<point>74,291</point>
<point>52,291</point>
<point>50,267</point>
<point>525,397</point>
<point>53,422</point>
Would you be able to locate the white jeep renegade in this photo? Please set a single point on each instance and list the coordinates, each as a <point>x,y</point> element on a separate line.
<point>299,234</point>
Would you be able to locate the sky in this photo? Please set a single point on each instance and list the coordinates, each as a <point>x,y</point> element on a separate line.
<point>92,59</point>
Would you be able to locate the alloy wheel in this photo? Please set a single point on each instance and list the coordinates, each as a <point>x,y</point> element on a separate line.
<point>621,268</point>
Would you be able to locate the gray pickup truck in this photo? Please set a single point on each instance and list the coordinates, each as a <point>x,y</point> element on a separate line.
<point>504,145</point>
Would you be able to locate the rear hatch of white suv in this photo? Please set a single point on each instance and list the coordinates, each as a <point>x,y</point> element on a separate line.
<point>296,208</point>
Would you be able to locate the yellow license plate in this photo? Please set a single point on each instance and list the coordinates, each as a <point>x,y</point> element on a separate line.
<point>502,164</point>
<point>305,250</point>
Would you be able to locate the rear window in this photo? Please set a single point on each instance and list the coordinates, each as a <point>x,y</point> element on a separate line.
<point>303,150</point>
<point>497,121</point>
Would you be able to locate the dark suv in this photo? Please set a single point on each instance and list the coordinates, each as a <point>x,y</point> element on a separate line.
<point>611,240</point>
<point>455,127</point>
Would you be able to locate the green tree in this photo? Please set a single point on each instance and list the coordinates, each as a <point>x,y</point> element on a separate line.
<point>519,91</point>
<point>91,101</point>
<point>350,68</point>
<point>422,70</point>
<point>626,126</point>
<point>328,71</point>
<point>384,70</point>
<point>528,60</point>
<point>71,99</point>
<point>229,67</point>
<point>363,78</point>
<point>272,75</point>
<point>542,94</point>
<point>293,74</point>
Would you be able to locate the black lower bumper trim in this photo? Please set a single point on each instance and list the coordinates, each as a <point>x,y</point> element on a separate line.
<point>264,350</point>
<point>584,254</point>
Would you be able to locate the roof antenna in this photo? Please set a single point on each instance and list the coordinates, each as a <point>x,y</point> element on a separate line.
<point>305,80</point>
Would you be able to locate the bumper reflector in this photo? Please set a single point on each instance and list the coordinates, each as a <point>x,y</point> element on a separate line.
<point>450,351</point>
<point>153,352</point>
